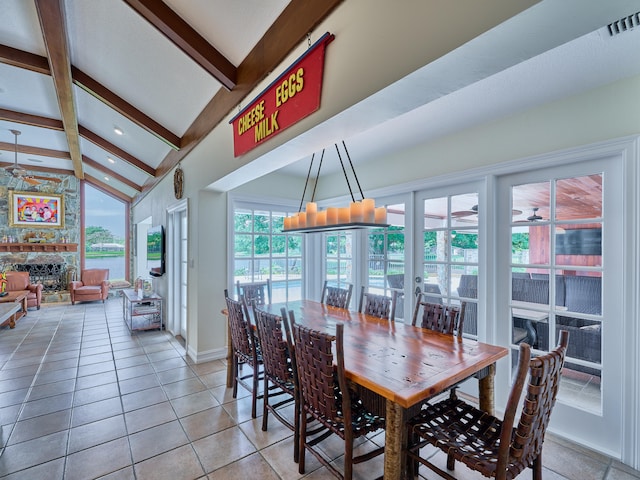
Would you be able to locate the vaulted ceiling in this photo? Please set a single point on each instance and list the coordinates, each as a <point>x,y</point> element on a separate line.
<point>117,92</point>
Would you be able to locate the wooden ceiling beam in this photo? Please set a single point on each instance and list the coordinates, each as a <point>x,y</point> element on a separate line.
<point>27,150</point>
<point>32,120</point>
<point>98,166</point>
<point>54,31</point>
<point>26,60</point>
<point>172,26</point>
<point>298,19</point>
<point>116,151</point>
<point>124,108</point>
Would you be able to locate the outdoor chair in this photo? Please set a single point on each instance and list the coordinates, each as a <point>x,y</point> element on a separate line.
<point>245,348</point>
<point>336,296</point>
<point>93,285</point>
<point>380,306</point>
<point>325,396</point>
<point>258,292</point>
<point>279,369</point>
<point>495,448</point>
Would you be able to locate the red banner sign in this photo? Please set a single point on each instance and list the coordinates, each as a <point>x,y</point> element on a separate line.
<point>288,99</point>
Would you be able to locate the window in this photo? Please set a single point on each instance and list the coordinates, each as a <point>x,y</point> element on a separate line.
<point>105,227</point>
<point>339,258</point>
<point>262,251</point>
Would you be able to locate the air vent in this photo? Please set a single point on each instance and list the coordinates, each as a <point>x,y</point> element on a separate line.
<point>624,24</point>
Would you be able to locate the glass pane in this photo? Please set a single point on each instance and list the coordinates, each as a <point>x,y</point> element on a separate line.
<point>531,202</point>
<point>242,271</point>
<point>278,247</point>
<point>579,244</point>
<point>530,245</point>
<point>583,292</point>
<point>435,246</point>
<point>579,197</point>
<point>261,222</point>
<point>295,269</point>
<point>278,270</point>
<point>464,246</point>
<point>243,220</point>
<point>294,243</point>
<point>395,216</point>
<point>242,245</point>
<point>435,279</point>
<point>527,292</point>
<point>435,213</point>
<point>262,247</point>
<point>464,209</point>
<point>581,386</point>
<point>332,245</point>
<point>277,219</point>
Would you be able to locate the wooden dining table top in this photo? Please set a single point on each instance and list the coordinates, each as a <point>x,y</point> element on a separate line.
<point>402,363</point>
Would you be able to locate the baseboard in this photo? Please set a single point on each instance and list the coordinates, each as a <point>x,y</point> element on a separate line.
<point>207,356</point>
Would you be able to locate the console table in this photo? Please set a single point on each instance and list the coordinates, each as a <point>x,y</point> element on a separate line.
<point>141,313</point>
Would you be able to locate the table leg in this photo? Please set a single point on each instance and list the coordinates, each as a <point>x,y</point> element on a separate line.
<point>486,391</point>
<point>25,305</point>
<point>395,439</point>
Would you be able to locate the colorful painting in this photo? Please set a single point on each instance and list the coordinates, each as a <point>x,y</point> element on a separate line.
<point>31,209</point>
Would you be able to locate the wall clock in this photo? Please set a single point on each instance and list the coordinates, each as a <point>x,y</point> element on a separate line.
<point>178,183</point>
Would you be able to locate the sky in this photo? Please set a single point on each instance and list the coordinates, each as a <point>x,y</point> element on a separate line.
<point>101,210</point>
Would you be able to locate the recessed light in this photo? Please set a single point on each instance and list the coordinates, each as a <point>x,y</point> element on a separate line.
<point>118,131</point>
<point>106,178</point>
<point>110,160</point>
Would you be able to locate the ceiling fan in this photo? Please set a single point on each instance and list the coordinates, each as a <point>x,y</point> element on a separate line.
<point>474,211</point>
<point>17,171</point>
<point>534,217</point>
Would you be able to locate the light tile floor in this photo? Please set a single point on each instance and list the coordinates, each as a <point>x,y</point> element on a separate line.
<point>82,398</point>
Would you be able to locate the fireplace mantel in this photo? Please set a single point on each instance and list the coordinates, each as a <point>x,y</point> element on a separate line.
<point>38,247</point>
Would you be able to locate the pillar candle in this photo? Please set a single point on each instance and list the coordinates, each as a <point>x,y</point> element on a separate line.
<point>287,223</point>
<point>302,220</point>
<point>321,218</point>
<point>294,221</point>
<point>356,211</point>
<point>368,210</point>
<point>381,215</point>
<point>332,215</point>
<point>344,215</point>
<point>312,213</point>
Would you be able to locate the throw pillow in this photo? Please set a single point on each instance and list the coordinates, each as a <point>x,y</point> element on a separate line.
<point>3,282</point>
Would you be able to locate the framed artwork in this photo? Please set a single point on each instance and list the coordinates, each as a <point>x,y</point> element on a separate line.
<point>32,209</point>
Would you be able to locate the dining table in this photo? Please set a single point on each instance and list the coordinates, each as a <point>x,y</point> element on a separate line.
<point>402,364</point>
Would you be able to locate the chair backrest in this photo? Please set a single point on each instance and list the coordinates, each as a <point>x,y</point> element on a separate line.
<point>315,367</point>
<point>437,317</point>
<point>94,276</point>
<point>242,337</point>
<point>521,446</point>
<point>380,306</point>
<point>583,294</point>
<point>258,292</point>
<point>273,345</point>
<point>336,296</point>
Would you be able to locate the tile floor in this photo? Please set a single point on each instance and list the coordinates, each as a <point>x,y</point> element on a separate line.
<point>82,398</point>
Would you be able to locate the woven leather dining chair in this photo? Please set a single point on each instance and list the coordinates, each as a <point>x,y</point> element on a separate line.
<point>336,296</point>
<point>246,350</point>
<point>258,292</point>
<point>440,318</point>
<point>279,369</point>
<point>325,397</point>
<point>499,449</point>
<point>381,306</point>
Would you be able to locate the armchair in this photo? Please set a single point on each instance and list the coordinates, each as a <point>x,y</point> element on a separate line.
<point>19,281</point>
<point>93,285</point>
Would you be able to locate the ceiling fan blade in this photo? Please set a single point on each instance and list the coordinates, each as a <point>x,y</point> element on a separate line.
<point>31,181</point>
<point>463,213</point>
<point>46,179</point>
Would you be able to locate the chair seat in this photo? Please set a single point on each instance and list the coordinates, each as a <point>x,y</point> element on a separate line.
<point>474,434</point>
<point>88,290</point>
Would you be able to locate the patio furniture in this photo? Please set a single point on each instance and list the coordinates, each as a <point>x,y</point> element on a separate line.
<point>245,350</point>
<point>485,443</point>
<point>279,369</point>
<point>381,306</point>
<point>93,285</point>
<point>336,296</point>
<point>326,398</point>
<point>260,292</point>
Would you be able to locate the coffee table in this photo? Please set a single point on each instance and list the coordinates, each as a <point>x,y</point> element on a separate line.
<point>8,313</point>
<point>18,298</point>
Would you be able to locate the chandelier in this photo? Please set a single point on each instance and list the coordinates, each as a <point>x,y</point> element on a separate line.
<point>358,214</point>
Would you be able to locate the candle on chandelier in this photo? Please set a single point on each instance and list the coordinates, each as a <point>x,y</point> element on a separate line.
<point>381,215</point>
<point>368,210</point>
<point>321,218</point>
<point>356,211</point>
<point>344,215</point>
<point>332,215</point>
<point>312,213</point>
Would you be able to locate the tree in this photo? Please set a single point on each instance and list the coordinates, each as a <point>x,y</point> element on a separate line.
<point>95,235</point>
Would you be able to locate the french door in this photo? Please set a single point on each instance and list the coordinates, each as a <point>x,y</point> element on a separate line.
<point>560,267</point>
